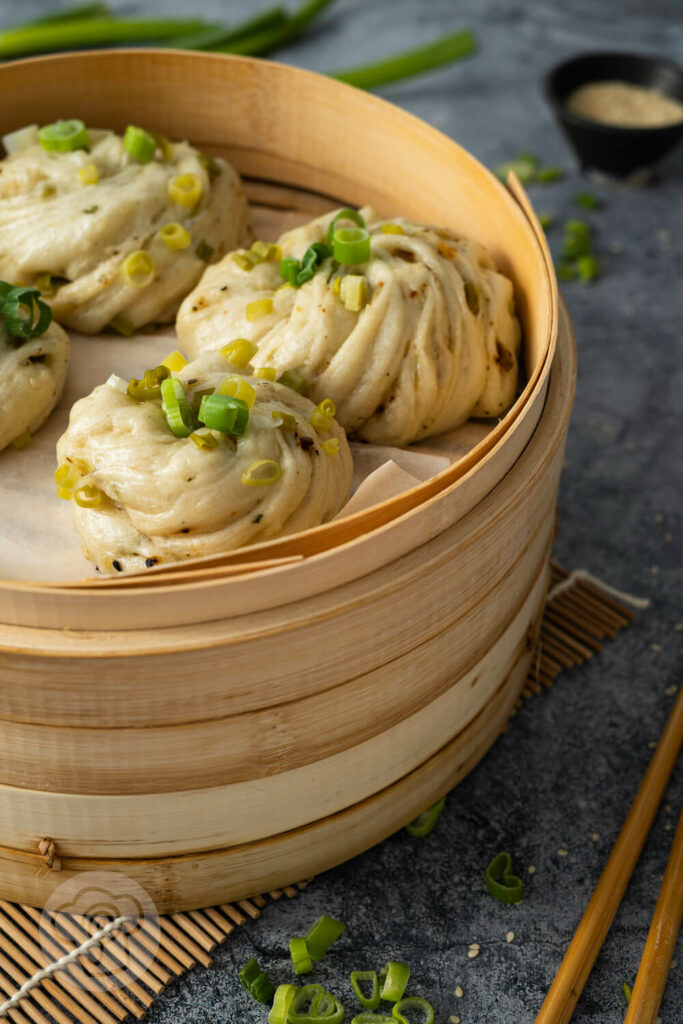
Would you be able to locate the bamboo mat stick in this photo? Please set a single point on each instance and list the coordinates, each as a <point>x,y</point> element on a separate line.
<point>572,975</point>
<point>661,940</point>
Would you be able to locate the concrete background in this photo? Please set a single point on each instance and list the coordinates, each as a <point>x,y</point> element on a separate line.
<point>571,761</point>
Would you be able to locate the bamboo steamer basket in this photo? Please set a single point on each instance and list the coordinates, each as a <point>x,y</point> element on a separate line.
<point>220,729</point>
<point>319,141</point>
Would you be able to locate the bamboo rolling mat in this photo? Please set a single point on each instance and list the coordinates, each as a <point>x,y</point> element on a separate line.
<point>112,975</point>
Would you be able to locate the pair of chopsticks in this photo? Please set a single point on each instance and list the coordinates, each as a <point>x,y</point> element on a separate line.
<point>648,989</point>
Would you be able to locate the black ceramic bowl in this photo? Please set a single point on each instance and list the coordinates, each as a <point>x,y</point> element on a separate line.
<point>618,151</point>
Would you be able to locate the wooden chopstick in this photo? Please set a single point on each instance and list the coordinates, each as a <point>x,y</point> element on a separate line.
<point>661,940</point>
<point>578,961</point>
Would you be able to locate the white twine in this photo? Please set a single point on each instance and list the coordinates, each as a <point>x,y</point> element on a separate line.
<point>583,574</point>
<point>59,964</point>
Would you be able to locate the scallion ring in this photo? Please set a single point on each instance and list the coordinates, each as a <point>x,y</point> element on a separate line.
<point>326,930</point>
<point>64,136</point>
<point>501,882</point>
<point>425,822</point>
<point>138,269</point>
<point>25,315</point>
<point>185,190</point>
<point>413,1003</point>
<point>393,979</point>
<point>373,1018</point>
<point>175,236</point>
<point>139,143</point>
<point>292,379</point>
<point>88,496</point>
<point>239,352</point>
<point>220,412</point>
<point>176,407</point>
<point>351,246</point>
<point>237,387</point>
<point>370,1002</point>
<point>262,473</point>
<point>282,1000</point>
<point>301,959</point>
<point>345,214</point>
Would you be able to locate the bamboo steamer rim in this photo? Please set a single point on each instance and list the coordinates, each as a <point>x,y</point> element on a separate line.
<point>151,62</point>
<point>124,644</point>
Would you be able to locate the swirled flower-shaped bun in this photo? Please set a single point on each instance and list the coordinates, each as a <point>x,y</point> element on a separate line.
<point>156,497</point>
<point>32,375</point>
<point>435,339</point>
<point>70,220</point>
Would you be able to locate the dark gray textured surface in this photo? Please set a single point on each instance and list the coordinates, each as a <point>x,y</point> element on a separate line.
<point>571,762</point>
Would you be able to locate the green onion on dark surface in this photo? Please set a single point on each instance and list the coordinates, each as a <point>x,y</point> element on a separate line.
<point>91,32</point>
<point>412,62</point>
<point>393,979</point>
<point>322,934</point>
<point>371,1001</point>
<point>500,880</point>
<point>425,822</point>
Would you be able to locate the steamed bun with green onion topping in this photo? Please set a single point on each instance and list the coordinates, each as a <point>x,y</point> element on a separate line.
<point>409,329</point>
<point>171,467</point>
<point>114,230</point>
<point>34,356</point>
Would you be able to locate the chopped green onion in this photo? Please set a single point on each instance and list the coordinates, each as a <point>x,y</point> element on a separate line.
<point>282,1001</point>
<point>393,979</point>
<point>88,496</point>
<point>310,261</point>
<point>588,268</point>
<point>197,397</point>
<point>353,292</point>
<point>501,882</point>
<point>425,822</point>
<point>266,373</point>
<point>472,297</point>
<point>25,315</point>
<point>301,960</point>
<point>373,1018</point>
<point>185,190</point>
<point>239,352</point>
<point>64,136</point>
<point>261,473</point>
<point>370,1002</point>
<point>210,165</point>
<point>22,440</point>
<point>322,1007</point>
<point>351,246</point>
<point>587,200</point>
<point>89,174</point>
<point>413,1003</point>
<point>266,251</point>
<point>289,268</point>
<point>122,325</point>
<point>628,992</point>
<point>176,407</point>
<point>321,420</point>
<point>346,214</point>
<point>546,220</point>
<point>237,387</point>
<point>175,236</point>
<point>256,982</point>
<point>174,361</point>
<point>326,930</point>
<point>139,143</point>
<point>258,309</point>
<point>44,285</point>
<point>165,147</point>
<point>412,62</point>
<point>292,379</point>
<point>331,446</point>
<point>286,420</point>
<point>525,166</point>
<point>392,229</point>
<point>204,440</point>
<point>204,251</point>
<point>566,271</point>
<point>138,269</point>
<point>546,175</point>
<point>244,259</point>
<point>577,239</point>
<point>220,412</point>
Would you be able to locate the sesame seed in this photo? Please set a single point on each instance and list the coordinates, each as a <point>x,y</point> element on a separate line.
<point>472,953</point>
<point>652,744</point>
<point>654,570</point>
<point>659,518</point>
<point>668,826</point>
<point>474,945</point>
<point>655,647</point>
<point>671,691</point>
<point>678,628</point>
<point>459,992</point>
<point>595,837</point>
<point>562,852</point>
<point>667,808</point>
<point>509,937</point>
<point>531,869</point>
<point>453,1019</point>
